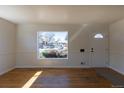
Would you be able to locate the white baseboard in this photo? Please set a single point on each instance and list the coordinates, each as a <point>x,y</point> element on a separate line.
<point>1,73</point>
<point>116,70</point>
<point>57,67</point>
<point>52,67</point>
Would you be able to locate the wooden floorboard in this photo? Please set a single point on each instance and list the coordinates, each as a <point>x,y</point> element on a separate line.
<point>116,78</point>
<point>53,78</point>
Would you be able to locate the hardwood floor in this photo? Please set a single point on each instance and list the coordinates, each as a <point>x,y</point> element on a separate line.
<point>53,78</point>
<point>116,78</point>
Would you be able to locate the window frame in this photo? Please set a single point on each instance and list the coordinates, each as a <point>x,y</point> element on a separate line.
<point>38,57</point>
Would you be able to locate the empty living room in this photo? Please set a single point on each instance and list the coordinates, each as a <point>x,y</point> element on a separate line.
<point>61,46</point>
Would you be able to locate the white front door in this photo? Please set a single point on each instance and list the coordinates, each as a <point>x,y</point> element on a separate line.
<point>98,50</point>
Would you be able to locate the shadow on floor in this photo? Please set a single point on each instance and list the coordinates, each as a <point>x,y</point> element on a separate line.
<point>116,78</point>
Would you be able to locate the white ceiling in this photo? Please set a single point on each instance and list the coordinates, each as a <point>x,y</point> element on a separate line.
<point>62,14</point>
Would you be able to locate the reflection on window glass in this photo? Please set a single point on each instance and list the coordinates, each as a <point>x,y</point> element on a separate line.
<point>98,35</point>
<point>52,45</point>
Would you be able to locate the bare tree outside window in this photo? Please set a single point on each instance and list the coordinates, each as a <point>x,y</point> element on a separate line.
<point>52,45</point>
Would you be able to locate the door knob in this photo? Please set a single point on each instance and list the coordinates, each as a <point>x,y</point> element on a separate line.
<point>92,50</point>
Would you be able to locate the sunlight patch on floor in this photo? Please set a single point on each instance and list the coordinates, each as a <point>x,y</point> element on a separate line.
<point>32,79</point>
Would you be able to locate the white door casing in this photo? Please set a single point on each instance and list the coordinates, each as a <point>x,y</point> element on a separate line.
<point>97,55</point>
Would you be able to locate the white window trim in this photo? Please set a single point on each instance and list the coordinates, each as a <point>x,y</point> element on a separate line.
<point>38,57</point>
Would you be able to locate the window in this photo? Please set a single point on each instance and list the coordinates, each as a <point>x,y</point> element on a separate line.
<point>52,45</point>
<point>99,35</point>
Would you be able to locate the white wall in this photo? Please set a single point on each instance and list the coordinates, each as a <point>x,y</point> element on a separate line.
<point>26,53</point>
<point>116,31</point>
<point>7,45</point>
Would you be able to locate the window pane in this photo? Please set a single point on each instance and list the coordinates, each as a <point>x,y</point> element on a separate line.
<point>98,36</point>
<point>52,45</point>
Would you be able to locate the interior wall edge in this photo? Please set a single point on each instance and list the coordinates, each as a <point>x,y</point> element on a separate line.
<point>3,72</point>
<point>120,72</point>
